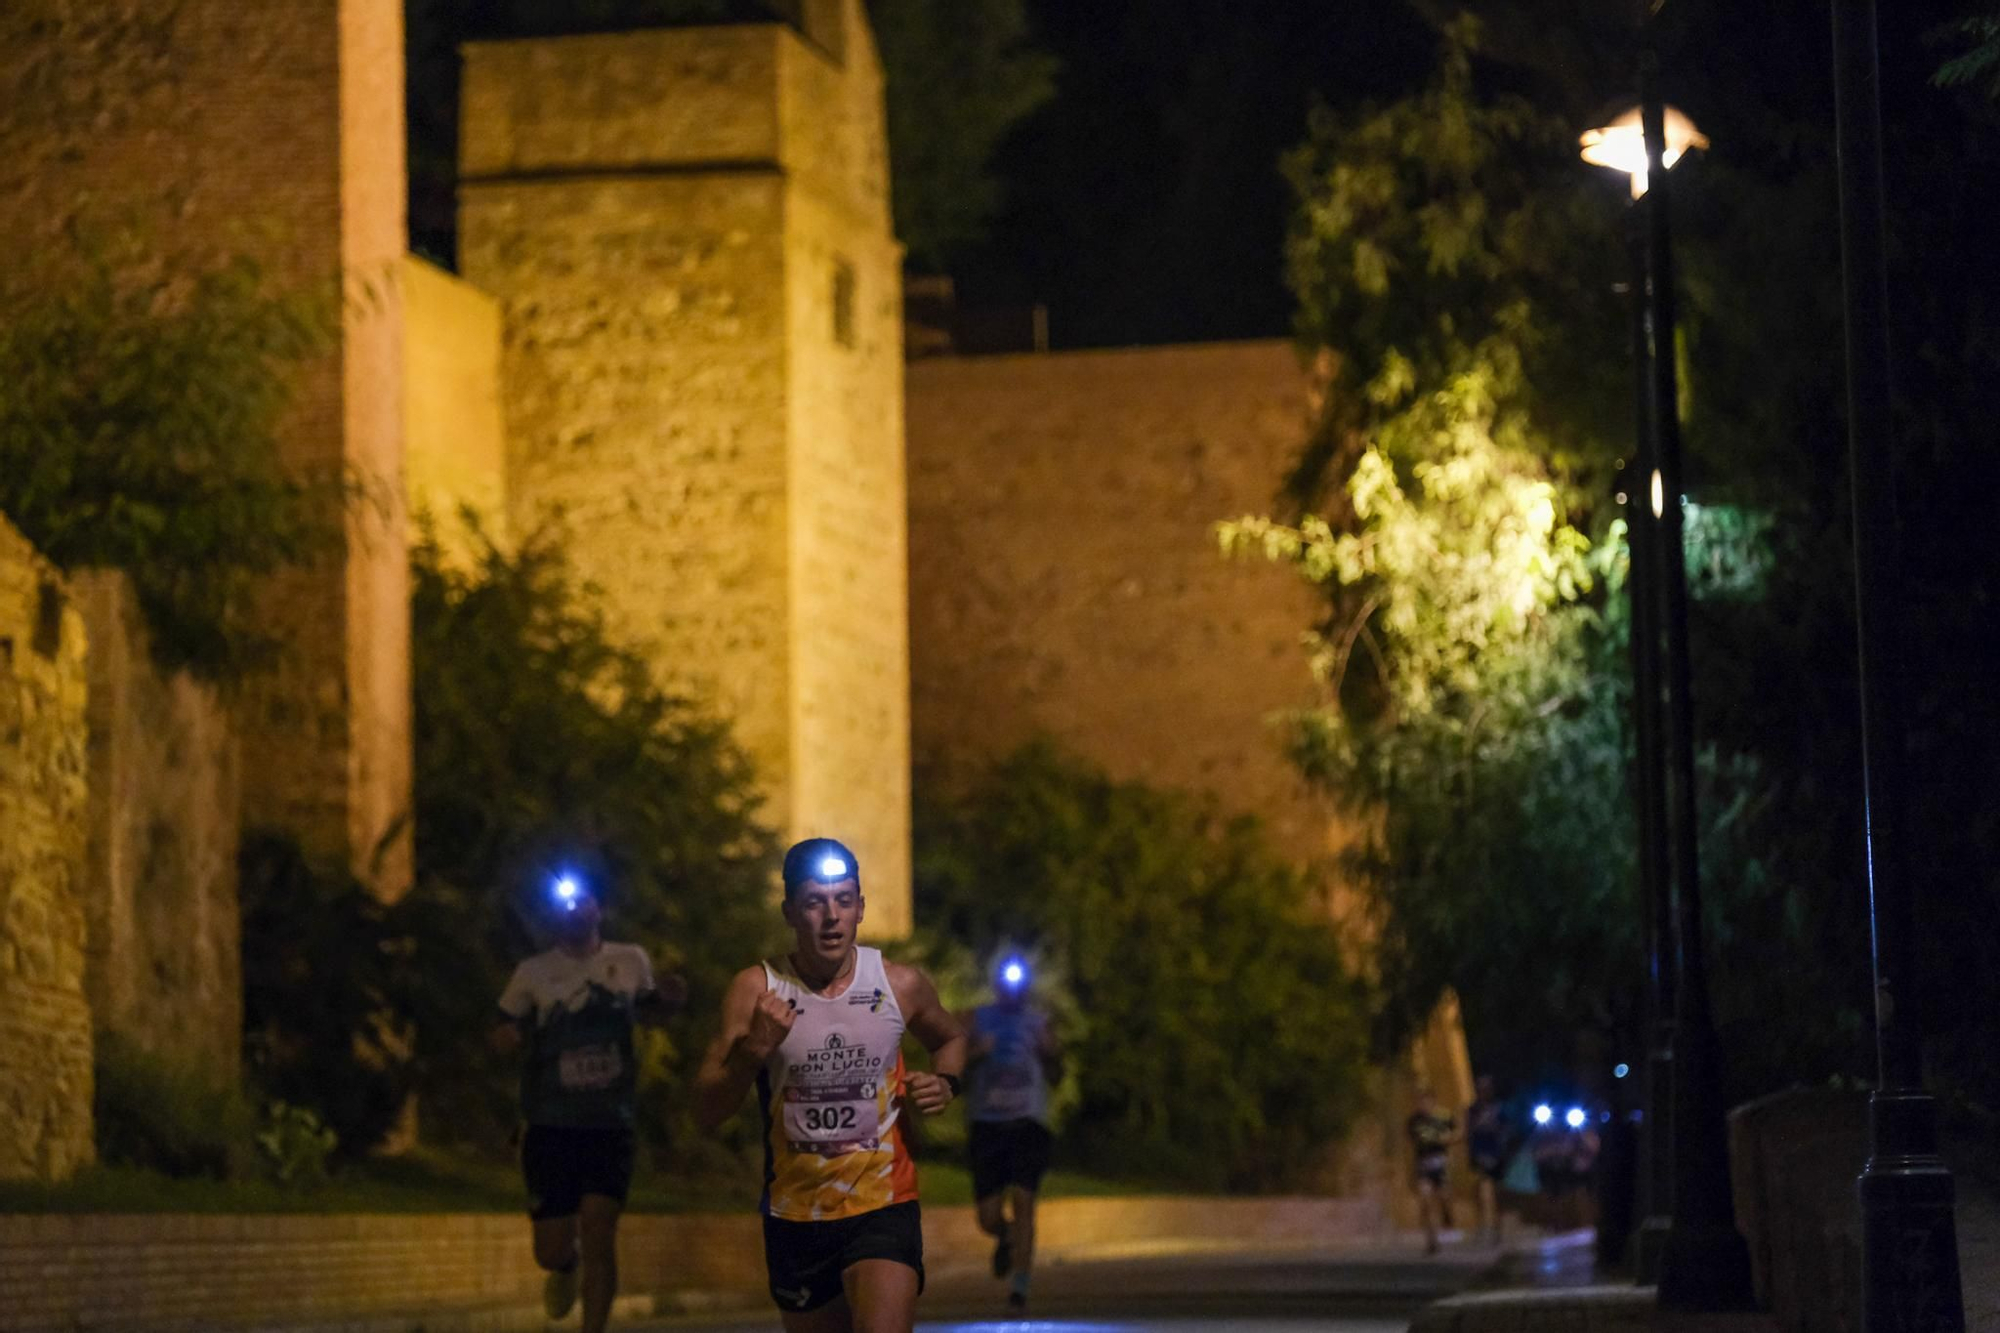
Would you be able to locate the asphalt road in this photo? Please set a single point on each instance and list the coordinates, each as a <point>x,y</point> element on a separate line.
<point>1354,1290</point>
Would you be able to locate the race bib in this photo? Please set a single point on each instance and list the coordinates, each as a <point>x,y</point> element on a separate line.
<point>833,1119</point>
<point>589,1068</point>
<point>1010,1091</point>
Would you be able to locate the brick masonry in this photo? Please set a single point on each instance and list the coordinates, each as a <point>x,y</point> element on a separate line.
<point>184,1272</point>
<point>455,433</point>
<point>45,1041</point>
<point>688,234</point>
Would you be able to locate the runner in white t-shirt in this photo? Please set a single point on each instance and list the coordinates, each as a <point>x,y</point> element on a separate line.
<point>574,1008</point>
<point>1013,1058</point>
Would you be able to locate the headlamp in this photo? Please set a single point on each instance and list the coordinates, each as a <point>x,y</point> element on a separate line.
<point>1575,1118</point>
<point>566,891</point>
<point>1544,1113</point>
<point>830,869</point>
<point>1014,973</point>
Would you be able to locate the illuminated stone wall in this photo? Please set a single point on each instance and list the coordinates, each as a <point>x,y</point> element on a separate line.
<point>455,433</point>
<point>45,1065</point>
<point>159,886</point>
<point>665,218</point>
<point>1065,580</point>
<point>212,129</point>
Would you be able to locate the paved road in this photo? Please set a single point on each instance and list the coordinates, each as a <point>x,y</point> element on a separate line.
<point>1355,1290</point>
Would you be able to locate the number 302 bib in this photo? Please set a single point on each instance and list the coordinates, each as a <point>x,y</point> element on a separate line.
<point>833,1118</point>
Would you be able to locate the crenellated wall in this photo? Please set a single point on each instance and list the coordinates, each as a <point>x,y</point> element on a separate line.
<point>45,1028</point>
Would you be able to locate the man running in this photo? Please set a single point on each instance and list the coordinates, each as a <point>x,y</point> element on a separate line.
<point>574,1007</point>
<point>819,1033</point>
<point>1486,1147</point>
<point>1014,1059</point>
<point>1431,1137</point>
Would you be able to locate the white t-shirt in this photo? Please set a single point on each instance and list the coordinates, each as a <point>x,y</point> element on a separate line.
<point>581,1068</point>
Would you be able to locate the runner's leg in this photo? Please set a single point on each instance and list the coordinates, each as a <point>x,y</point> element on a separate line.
<point>833,1317</point>
<point>598,1225</point>
<point>1024,1236</point>
<point>555,1242</point>
<point>882,1294</point>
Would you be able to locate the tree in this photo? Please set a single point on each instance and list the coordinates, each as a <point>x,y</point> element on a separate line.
<point>139,432</point>
<point>541,746</point>
<point>1218,1038</point>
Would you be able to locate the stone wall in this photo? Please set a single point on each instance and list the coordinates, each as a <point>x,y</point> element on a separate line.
<point>455,432</point>
<point>1064,575</point>
<point>850,611</point>
<point>214,129</point>
<point>669,221</point>
<point>45,1035</point>
<point>159,890</point>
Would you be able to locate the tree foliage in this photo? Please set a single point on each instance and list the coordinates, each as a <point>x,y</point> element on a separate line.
<point>1217,1037</point>
<point>139,431</point>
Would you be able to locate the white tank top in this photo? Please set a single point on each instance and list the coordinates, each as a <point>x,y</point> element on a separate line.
<point>831,1099</point>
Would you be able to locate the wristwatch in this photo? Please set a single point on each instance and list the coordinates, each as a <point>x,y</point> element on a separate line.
<point>953,1082</point>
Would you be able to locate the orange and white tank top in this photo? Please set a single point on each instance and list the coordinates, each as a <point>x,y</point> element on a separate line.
<point>831,1098</point>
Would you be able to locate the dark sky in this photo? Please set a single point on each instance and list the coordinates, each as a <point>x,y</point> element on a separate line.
<point>1144,203</point>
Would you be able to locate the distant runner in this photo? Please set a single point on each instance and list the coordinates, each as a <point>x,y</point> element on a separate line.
<point>574,1008</point>
<point>818,1032</point>
<point>1014,1058</point>
<point>1431,1137</point>
<point>1486,1147</point>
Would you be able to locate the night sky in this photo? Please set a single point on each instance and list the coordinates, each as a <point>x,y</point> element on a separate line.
<point>1144,203</point>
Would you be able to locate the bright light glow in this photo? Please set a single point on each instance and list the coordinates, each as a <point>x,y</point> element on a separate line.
<point>1013,973</point>
<point>832,868</point>
<point>1544,1113</point>
<point>1621,145</point>
<point>566,889</point>
<point>1575,1118</point>
<point>1620,1071</point>
<point>1659,494</point>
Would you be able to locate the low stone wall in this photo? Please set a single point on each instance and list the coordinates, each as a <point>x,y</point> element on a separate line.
<point>45,1065</point>
<point>1793,1160</point>
<point>475,1271</point>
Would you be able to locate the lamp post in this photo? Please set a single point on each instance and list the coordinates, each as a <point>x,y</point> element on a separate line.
<point>1703,1261</point>
<point>1909,1244</point>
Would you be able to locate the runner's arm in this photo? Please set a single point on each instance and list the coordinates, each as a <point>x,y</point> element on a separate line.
<point>730,1065</point>
<point>926,1019</point>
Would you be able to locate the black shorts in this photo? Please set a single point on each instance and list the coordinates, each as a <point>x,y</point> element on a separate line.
<point>1431,1170</point>
<point>1489,1162</point>
<point>562,1163</point>
<point>1008,1152</point>
<point>806,1259</point>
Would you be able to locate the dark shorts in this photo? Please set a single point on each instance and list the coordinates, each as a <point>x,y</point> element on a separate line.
<point>1489,1160</point>
<point>562,1163</point>
<point>806,1259</point>
<point>1008,1152</point>
<point>1431,1170</point>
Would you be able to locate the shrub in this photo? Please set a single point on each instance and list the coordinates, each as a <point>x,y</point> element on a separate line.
<point>1221,1039</point>
<point>161,1115</point>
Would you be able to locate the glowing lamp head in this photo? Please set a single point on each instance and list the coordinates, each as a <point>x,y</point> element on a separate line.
<point>830,868</point>
<point>566,891</point>
<point>1575,1118</point>
<point>1013,974</point>
<point>1544,1113</point>
<point>1620,1070</point>
<point>1621,145</point>
<point>819,861</point>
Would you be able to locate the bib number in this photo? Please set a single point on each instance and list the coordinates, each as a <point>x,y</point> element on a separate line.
<point>833,1120</point>
<point>589,1068</point>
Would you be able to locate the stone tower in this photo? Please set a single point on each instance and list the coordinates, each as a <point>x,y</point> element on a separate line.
<point>689,233</point>
<point>219,129</point>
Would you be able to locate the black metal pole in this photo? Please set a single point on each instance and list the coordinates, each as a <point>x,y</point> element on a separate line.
<point>1655,1180</point>
<point>1705,1264</point>
<point>1909,1243</point>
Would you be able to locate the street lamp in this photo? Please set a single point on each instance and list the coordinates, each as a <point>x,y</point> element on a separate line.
<point>1909,1245</point>
<point>1703,1262</point>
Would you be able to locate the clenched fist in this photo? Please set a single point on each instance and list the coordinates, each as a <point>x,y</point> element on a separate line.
<point>770,1022</point>
<point>929,1091</point>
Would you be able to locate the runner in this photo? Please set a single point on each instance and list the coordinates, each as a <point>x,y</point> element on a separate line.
<point>574,1008</point>
<point>1486,1146</point>
<point>819,1033</point>
<point>1431,1137</point>
<point>1014,1058</point>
